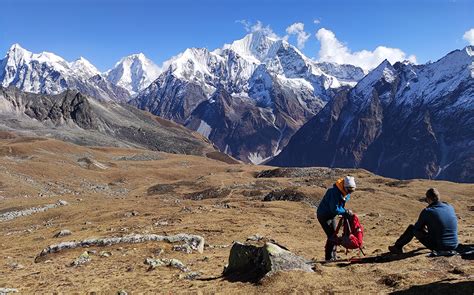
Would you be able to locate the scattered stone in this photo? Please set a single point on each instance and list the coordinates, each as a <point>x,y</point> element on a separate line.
<point>139,157</point>
<point>82,259</point>
<point>255,238</point>
<point>194,241</point>
<point>314,172</point>
<point>190,275</point>
<point>105,254</point>
<point>252,263</point>
<point>92,164</point>
<point>16,265</point>
<point>122,292</point>
<point>217,246</point>
<point>210,193</point>
<point>154,263</point>
<point>4,291</point>
<point>63,233</point>
<point>15,214</point>
<point>183,248</point>
<point>287,194</point>
<point>132,213</point>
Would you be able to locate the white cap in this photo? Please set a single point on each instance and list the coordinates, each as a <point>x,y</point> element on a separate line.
<point>349,181</point>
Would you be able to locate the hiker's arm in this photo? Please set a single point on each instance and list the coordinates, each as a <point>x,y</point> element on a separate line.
<point>421,222</point>
<point>339,207</point>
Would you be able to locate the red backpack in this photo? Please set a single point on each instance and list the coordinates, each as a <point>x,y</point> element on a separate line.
<point>352,233</point>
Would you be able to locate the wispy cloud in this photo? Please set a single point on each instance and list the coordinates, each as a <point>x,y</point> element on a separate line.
<point>297,29</point>
<point>469,36</point>
<point>317,21</point>
<point>258,27</point>
<point>333,50</point>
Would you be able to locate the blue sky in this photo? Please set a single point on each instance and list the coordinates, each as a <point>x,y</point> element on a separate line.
<point>103,31</point>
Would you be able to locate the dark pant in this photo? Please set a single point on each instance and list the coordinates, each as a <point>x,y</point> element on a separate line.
<point>329,227</point>
<point>420,235</point>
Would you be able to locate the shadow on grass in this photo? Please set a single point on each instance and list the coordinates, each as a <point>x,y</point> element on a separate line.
<point>441,287</point>
<point>383,258</point>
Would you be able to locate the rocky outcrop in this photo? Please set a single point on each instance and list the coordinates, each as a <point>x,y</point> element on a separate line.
<point>251,263</point>
<point>74,117</point>
<point>19,213</point>
<point>195,242</point>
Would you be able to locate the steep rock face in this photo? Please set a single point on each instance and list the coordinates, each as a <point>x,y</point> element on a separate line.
<point>74,117</point>
<point>171,98</point>
<point>402,121</point>
<point>268,79</point>
<point>48,73</point>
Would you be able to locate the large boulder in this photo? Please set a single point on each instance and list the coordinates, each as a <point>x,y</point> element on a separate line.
<point>251,263</point>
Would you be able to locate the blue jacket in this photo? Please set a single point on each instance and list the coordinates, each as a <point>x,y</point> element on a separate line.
<point>442,224</point>
<point>332,204</point>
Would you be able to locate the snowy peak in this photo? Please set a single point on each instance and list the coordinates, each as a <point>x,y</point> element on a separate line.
<point>384,71</point>
<point>134,73</point>
<point>256,46</point>
<point>49,73</point>
<point>469,50</point>
<point>83,67</point>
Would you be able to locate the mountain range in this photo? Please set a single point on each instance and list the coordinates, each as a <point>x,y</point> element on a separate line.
<point>261,100</point>
<point>402,120</point>
<point>248,97</point>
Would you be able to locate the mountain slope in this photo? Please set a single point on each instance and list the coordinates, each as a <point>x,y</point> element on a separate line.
<point>402,121</point>
<point>73,117</point>
<point>134,73</point>
<point>48,73</point>
<point>267,75</point>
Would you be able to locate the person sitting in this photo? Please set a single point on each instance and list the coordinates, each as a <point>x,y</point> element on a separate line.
<point>332,205</point>
<point>436,228</point>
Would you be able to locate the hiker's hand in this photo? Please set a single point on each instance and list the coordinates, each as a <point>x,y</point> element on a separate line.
<point>349,212</point>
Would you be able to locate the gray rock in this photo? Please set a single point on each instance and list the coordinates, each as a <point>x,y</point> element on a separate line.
<point>82,259</point>
<point>105,254</point>
<point>154,263</point>
<point>251,263</point>
<point>190,275</point>
<point>19,213</point>
<point>194,241</point>
<point>4,291</point>
<point>63,233</point>
<point>183,248</point>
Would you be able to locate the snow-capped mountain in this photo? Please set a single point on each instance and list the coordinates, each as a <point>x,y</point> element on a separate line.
<point>403,121</point>
<point>48,73</point>
<point>268,76</point>
<point>134,73</point>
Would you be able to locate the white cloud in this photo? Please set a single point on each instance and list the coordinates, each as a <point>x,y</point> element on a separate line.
<point>298,30</point>
<point>317,21</point>
<point>258,27</point>
<point>469,36</point>
<point>332,50</point>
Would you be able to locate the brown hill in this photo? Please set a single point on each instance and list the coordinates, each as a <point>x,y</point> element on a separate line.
<point>117,192</point>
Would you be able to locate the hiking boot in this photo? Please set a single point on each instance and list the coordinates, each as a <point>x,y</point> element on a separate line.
<point>395,250</point>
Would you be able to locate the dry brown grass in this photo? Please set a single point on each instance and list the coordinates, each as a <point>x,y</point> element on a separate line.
<point>100,200</point>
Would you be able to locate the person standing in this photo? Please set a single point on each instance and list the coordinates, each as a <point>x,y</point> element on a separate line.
<point>332,205</point>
